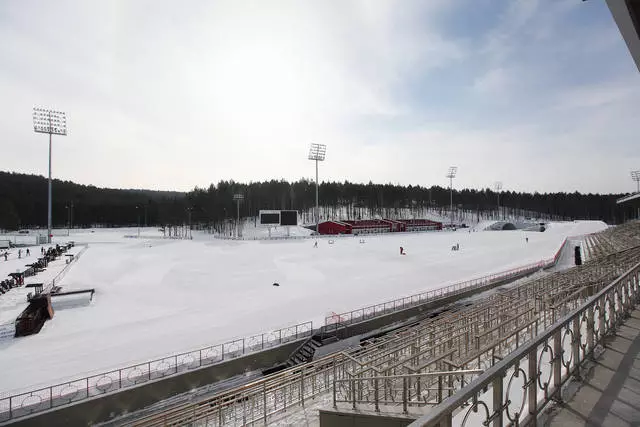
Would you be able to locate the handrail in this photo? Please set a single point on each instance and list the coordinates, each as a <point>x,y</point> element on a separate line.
<point>65,269</point>
<point>371,311</point>
<point>88,387</point>
<point>79,389</point>
<point>627,283</point>
<point>420,375</point>
<point>380,309</point>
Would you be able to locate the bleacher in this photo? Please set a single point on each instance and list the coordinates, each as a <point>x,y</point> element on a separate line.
<point>420,364</point>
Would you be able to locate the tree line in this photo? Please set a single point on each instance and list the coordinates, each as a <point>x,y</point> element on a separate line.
<point>23,202</point>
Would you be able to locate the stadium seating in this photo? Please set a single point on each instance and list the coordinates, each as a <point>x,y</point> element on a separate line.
<point>461,336</point>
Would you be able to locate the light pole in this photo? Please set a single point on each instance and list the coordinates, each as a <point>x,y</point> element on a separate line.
<point>71,216</point>
<point>69,209</point>
<point>635,175</point>
<point>451,174</point>
<point>138,214</point>
<point>317,152</point>
<point>238,198</point>
<point>51,122</point>
<point>189,217</point>
<point>498,186</point>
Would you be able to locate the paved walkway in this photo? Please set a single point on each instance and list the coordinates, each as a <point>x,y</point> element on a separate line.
<point>610,395</point>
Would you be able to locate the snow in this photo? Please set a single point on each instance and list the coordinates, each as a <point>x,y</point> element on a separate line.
<point>156,297</point>
<point>15,301</point>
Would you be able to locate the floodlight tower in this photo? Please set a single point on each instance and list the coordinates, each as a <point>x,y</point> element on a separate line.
<point>51,122</point>
<point>635,175</point>
<point>317,152</point>
<point>238,198</point>
<point>498,187</point>
<point>451,174</point>
<point>69,209</point>
<point>138,215</point>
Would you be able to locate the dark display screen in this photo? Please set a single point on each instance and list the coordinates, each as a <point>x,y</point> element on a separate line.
<point>288,217</point>
<point>269,218</point>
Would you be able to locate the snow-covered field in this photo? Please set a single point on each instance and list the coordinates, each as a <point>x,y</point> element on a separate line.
<point>155,297</point>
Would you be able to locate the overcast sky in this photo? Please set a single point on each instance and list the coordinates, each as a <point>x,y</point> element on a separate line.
<point>540,94</point>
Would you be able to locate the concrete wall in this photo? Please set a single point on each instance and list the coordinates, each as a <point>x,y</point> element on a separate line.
<point>105,407</point>
<point>330,418</point>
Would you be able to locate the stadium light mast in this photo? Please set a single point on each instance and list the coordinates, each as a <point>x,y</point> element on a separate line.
<point>635,175</point>
<point>317,152</point>
<point>138,215</point>
<point>238,198</point>
<point>52,122</point>
<point>69,209</point>
<point>451,174</point>
<point>498,187</point>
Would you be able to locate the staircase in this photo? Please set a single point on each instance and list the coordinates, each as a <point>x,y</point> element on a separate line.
<point>303,354</point>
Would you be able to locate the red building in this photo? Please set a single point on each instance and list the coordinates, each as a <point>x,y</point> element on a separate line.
<point>371,226</point>
<point>421,224</point>
<point>334,227</point>
<point>377,226</point>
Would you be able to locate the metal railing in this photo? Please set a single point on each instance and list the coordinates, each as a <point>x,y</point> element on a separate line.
<point>366,313</point>
<point>519,387</point>
<point>23,404</point>
<point>384,308</point>
<point>64,270</point>
<point>296,390</point>
<point>262,400</point>
<point>427,388</point>
<point>257,401</point>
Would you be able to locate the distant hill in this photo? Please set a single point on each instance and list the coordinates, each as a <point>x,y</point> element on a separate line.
<point>23,203</point>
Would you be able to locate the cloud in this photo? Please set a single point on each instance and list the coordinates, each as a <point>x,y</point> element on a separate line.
<point>180,96</point>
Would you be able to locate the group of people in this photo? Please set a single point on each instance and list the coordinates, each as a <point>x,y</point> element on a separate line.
<point>6,254</point>
<point>27,253</point>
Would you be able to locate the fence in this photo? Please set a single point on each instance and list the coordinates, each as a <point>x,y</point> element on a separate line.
<point>257,402</point>
<point>518,388</point>
<point>428,388</point>
<point>381,309</point>
<point>366,313</point>
<point>46,398</point>
<point>64,270</point>
<point>310,382</point>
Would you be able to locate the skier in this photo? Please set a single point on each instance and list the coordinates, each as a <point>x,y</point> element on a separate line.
<point>28,252</point>
<point>19,253</point>
<point>402,251</point>
<point>5,255</point>
<point>315,245</point>
<point>526,239</point>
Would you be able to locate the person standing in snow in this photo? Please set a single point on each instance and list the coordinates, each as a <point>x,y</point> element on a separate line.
<point>19,253</point>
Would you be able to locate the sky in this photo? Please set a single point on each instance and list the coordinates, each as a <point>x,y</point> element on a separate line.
<point>167,95</point>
